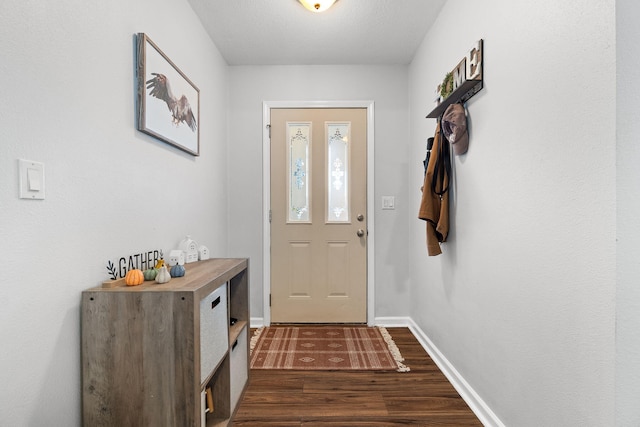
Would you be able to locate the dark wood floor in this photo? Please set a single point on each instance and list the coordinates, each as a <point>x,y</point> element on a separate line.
<point>422,397</point>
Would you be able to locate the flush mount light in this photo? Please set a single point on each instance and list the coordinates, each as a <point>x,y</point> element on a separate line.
<point>317,5</point>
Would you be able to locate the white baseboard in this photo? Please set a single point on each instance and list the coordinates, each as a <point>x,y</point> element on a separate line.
<point>394,322</point>
<point>256,322</point>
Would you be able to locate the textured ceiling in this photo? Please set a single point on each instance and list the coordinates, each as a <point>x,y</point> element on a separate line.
<point>283,32</point>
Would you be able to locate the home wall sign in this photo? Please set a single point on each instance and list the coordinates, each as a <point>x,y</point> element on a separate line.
<point>461,83</point>
<point>141,261</point>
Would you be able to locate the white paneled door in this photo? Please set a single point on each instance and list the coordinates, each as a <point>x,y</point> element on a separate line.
<point>318,215</point>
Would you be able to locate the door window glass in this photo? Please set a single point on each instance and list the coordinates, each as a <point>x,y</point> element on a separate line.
<point>338,172</point>
<point>298,165</point>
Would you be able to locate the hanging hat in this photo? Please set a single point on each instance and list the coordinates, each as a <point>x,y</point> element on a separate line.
<point>454,126</point>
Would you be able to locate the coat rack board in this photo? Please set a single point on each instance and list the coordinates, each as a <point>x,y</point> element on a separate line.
<point>463,82</point>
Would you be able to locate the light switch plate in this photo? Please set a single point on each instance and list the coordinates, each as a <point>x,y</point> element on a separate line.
<point>31,177</point>
<point>388,202</point>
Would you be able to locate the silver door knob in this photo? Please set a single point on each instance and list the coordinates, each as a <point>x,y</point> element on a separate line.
<point>360,217</point>
<point>360,232</point>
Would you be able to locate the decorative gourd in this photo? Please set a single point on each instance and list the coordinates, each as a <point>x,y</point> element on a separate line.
<point>150,274</point>
<point>134,277</point>
<point>163,275</point>
<point>177,270</point>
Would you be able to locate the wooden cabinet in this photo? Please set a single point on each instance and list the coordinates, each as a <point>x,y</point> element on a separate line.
<point>149,352</point>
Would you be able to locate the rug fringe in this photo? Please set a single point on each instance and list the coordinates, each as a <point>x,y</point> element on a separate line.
<point>254,339</point>
<point>393,348</point>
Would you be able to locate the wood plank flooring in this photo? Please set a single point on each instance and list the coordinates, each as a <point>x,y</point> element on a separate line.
<point>422,397</point>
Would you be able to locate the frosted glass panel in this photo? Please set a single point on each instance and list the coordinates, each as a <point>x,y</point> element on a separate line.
<point>338,172</point>
<point>299,140</point>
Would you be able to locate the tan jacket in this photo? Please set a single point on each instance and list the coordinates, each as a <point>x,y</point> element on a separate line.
<point>434,209</point>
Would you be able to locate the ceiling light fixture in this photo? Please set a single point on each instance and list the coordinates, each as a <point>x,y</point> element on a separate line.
<point>317,5</point>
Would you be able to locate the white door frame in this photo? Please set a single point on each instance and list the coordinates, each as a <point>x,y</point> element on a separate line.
<point>266,196</point>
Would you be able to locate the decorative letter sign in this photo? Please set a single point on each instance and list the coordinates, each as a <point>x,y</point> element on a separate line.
<point>474,62</point>
<point>141,261</point>
<point>467,81</point>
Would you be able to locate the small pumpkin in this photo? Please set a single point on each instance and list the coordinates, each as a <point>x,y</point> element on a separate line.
<point>163,275</point>
<point>134,277</point>
<point>150,274</point>
<point>177,270</point>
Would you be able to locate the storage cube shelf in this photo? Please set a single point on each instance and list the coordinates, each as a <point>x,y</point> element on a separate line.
<point>149,352</point>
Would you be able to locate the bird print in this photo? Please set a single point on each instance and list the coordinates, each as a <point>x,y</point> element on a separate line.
<point>179,107</point>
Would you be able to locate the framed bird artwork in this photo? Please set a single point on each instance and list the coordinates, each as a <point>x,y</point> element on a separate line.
<point>168,102</point>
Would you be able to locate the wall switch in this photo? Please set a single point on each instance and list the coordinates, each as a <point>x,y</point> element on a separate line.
<point>31,176</point>
<point>388,202</point>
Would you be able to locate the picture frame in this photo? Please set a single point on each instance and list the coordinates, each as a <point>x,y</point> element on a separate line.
<point>168,101</point>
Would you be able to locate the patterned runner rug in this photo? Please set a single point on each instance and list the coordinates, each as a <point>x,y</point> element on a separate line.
<point>325,348</point>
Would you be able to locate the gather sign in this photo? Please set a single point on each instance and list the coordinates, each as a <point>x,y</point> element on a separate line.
<point>141,261</point>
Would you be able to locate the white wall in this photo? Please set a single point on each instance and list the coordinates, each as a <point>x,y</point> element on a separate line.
<point>522,301</point>
<point>628,226</point>
<point>250,86</point>
<point>67,90</point>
